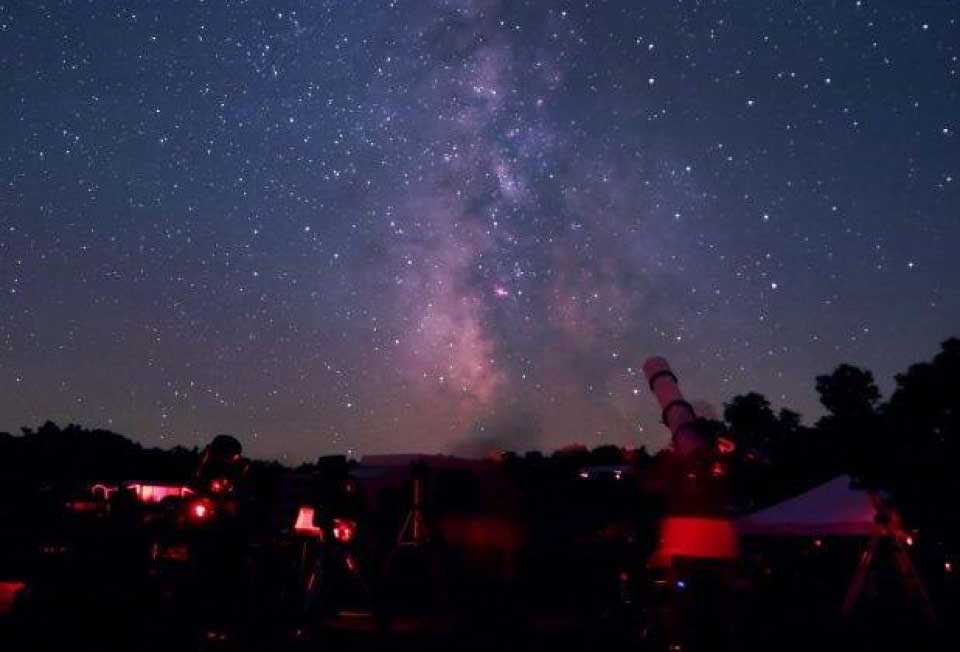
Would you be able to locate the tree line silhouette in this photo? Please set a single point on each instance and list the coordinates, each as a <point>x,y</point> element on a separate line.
<point>907,446</point>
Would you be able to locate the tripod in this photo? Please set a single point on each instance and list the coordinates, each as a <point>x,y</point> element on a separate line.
<point>888,529</point>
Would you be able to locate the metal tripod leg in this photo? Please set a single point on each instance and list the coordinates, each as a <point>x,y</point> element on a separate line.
<point>911,580</point>
<point>860,576</point>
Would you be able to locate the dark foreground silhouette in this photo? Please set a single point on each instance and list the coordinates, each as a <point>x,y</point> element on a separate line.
<point>107,545</point>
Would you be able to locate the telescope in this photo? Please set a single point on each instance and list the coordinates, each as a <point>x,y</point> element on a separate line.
<point>694,526</point>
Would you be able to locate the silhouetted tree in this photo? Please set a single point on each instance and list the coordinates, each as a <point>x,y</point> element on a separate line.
<point>789,422</point>
<point>65,458</point>
<point>922,444</point>
<point>710,429</point>
<point>851,429</point>
<point>753,422</point>
<point>606,455</point>
<point>849,393</point>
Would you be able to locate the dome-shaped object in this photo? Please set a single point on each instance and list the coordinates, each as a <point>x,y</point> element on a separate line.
<point>225,447</point>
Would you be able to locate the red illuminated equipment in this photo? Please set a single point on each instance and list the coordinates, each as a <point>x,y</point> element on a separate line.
<point>889,526</point>
<point>221,466</point>
<point>696,537</point>
<point>220,486</point>
<point>413,532</point>
<point>200,510</point>
<point>305,524</point>
<point>726,446</point>
<point>344,530</point>
<point>178,552</point>
<point>8,595</point>
<point>84,506</point>
<point>837,510</point>
<point>156,493</point>
<point>102,491</point>
<point>694,528</point>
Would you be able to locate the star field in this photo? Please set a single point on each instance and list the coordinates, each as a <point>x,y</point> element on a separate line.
<point>461,225</point>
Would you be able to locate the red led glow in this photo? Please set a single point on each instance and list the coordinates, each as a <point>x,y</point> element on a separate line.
<point>170,552</point>
<point>344,530</point>
<point>83,506</point>
<point>155,493</point>
<point>479,532</point>
<point>725,446</point>
<point>200,510</point>
<point>102,491</point>
<point>8,593</point>
<point>305,523</point>
<point>696,537</point>
<point>219,485</point>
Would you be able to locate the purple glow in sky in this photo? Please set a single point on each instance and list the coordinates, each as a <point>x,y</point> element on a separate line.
<point>456,226</point>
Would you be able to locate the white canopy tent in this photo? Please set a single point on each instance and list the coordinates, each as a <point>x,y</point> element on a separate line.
<point>835,509</point>
<point>832,509</point>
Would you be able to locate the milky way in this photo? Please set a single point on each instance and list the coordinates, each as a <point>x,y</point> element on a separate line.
<point>462,226</point>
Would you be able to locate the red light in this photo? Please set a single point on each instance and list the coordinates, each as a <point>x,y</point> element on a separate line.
<point>909,541</point>
<point>83,506</point>
<point>344,530</point>
<point>156,493</point>
<point>102,491</point>
<point>947,567</point>
<point>172,552</point>
<point>8,594</point>
<point>305,523</point>
<point>725,446</point>
<point>219,485</point>
<point>696,537</point>
<point>200,510</point>
<point>818,543</point>
<point>717,470</point>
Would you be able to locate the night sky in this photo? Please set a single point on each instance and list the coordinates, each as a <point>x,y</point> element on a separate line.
<point>456,226</point>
